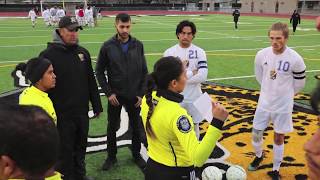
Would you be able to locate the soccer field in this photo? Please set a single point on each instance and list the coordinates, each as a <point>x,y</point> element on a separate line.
<point>230,55</point>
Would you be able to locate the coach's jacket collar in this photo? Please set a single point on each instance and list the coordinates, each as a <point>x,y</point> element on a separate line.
<point>170,95</point>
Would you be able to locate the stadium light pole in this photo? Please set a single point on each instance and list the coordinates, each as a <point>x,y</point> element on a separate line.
<point>85,4</point>
<point>63,4</point>
<point>41,6</point>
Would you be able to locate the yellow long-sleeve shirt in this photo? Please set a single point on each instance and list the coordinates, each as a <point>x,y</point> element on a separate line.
<point>34,96</point>
<point>56,176</point>
<point>175,144</point>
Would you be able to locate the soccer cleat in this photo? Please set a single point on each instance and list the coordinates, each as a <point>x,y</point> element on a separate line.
<point>255,163</point>
<point>274,175</point>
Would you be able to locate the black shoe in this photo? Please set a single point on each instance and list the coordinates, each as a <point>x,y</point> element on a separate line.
<point>108,163</point>
<point>140,162</point>
<point>274,175</point>
<point>255,163</point>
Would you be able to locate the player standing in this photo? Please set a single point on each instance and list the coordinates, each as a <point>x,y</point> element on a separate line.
<point>196,61</point>
<point>281,72</point>
<point>32,15</point>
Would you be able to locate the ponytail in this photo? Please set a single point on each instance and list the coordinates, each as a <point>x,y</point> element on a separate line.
<point>19,67</point>
<point>165,70</point>
<point>150,87</point>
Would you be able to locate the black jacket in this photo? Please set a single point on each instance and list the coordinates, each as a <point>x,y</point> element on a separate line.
<point>295,18</point>
<point>236,15</point>
<point>75,82</point>
<point>126,71</point>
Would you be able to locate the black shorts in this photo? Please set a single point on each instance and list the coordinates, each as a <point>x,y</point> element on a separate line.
<point>157,171</point>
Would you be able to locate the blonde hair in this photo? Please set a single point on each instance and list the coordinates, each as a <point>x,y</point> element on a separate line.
<point>279,26</point>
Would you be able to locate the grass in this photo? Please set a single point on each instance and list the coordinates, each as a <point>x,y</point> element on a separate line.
<point>230,53</point>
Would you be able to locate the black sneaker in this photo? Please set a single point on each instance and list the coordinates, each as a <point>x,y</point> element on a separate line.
<point>139,161</point>
<point>255,163</point>
<point>108,163</point>
<point>274,175</point>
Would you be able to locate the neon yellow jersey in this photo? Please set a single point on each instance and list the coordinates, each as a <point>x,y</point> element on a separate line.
<point>176,144</point>
<point>56,176</point>
<point>34,96</point>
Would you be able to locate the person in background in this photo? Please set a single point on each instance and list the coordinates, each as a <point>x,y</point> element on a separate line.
<point>318,23</point>
<point>236,15</point>
<point>295,20</point>
<point>46,16</point>
<point>33,16</point>
<point>76,13</point>
<point>89,16</point>
<point>95,14</point>
<point>60,13</point>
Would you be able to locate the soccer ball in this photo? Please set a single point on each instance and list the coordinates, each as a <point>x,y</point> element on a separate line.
<point>236,172</point>
<point>211,173</point>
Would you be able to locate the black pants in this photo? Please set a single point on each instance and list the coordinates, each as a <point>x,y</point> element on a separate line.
<point>73,131</point>
<point>294,26</point>
<point>157,171</point>
<point>135,124</point>
<point>236,24</point>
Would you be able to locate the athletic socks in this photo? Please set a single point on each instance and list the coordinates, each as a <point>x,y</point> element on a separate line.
<point>278,151</point>
<point>258,148</point>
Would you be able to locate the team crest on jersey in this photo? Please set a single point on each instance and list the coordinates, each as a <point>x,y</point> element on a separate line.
<point>73,20</point>
<point>183,124</point>
<point>273,74</point>
<point>81,56</point>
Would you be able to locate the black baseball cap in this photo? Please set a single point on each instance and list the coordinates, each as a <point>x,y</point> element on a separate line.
<point>69,22</point>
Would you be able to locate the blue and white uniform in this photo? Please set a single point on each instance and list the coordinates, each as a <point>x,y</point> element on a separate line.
<point>197,61</point>
<point>281,76</point>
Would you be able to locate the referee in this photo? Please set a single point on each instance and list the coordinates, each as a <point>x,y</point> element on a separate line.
<point>173,147</point>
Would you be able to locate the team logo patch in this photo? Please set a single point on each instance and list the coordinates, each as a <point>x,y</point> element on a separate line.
<point>73,20</point>
<point>81,56</point>
<point>273,74</point>
<point>183,124</point>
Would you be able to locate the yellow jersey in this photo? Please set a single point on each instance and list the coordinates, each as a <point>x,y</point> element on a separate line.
<point>175,143</point>
<point>56,176</point>
<point>34,96</point>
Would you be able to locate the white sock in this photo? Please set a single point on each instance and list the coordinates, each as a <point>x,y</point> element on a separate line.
<point>258,148</point>
<point>277,156</point>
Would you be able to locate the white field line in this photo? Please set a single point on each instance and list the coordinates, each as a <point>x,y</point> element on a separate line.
<point>228,36</point>
<point>250,76</point>
<point>249,38</point>
<point>216,50</point>
<point>139,26</point>
<point>83,34</point>
<point>213,79</point>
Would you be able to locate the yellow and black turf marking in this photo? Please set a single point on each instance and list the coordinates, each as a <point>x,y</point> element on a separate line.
<point>241,104</point>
